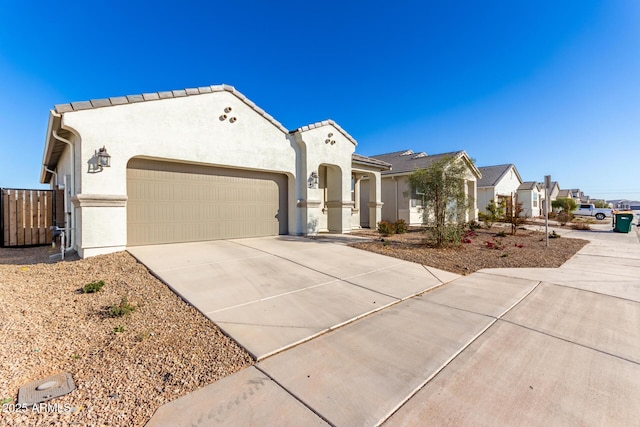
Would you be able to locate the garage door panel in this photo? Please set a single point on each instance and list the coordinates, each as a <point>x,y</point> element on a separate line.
<point>170,202</point>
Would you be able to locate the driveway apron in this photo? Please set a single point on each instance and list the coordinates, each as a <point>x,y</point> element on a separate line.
<point>272,293</point>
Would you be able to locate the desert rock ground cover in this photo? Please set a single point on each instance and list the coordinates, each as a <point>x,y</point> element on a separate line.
<point>484,248</point>
<point>124,367</point>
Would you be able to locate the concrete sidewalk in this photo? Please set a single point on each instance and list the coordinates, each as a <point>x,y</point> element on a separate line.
<point>498,347</point>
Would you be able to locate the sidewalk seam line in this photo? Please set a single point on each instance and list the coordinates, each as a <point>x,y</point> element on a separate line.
<point>569,341</point>
<point>453,357</point>
<point>302,402</point>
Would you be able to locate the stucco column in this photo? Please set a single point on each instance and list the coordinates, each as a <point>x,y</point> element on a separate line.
<point>355,212</point>
<point>375,199</point>
<point>474,203</point>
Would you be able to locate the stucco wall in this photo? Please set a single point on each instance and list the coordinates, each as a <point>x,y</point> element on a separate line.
<point>188,129</point>
<point>508,184</point>
<point>325,148</point>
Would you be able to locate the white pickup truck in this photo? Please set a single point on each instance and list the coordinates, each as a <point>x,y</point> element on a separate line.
<point>590,210</point>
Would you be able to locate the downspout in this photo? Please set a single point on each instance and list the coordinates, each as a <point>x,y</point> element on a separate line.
<point>72,228</point>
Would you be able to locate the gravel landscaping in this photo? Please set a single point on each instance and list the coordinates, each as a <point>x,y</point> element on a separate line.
<point>124,367</point>
<point>485,248</point>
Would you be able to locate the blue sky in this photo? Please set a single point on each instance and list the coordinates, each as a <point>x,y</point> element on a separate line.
<point>551,86</point>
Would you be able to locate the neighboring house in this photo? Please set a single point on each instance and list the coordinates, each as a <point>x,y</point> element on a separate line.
<point>564,194</point>
<point>497,183</point>
<point>579,196</point>
<point>624,204</point>
<point>400,202</point>
<point>531,195</point>
<point>553,195</point>
<point>200,164</point>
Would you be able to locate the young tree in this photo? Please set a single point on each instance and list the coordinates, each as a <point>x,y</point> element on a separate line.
<point>495,212</point>
<point>514,213</point>
<point>443,186</point>
<point>566,204</point>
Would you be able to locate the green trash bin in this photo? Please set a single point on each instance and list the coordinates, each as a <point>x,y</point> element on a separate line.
<point>622,221</point>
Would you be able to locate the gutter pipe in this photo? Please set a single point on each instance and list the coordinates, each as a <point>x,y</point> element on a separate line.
<point>71,228</point>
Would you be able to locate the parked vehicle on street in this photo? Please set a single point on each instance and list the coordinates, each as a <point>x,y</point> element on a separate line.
<point>589,209</point>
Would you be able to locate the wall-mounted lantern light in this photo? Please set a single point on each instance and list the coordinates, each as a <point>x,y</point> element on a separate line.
<point>313,180</point>
<point>104,159</point>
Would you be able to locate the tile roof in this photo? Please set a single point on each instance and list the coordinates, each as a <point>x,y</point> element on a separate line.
<point>358,158</point>
<point>158,96</point>
<point>528,185</point>
<point>491,175</point>
<point>325,123</point>
<point>408,161</point>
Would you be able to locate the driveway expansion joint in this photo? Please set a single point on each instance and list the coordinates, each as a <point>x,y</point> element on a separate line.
<point>570,342</point>
<point>290,393</point>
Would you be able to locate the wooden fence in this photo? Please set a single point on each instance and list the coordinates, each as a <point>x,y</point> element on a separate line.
<point>26,217</point>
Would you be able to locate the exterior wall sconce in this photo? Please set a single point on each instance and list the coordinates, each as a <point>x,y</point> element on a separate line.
<point>313,180</point>
<point>104,159</point>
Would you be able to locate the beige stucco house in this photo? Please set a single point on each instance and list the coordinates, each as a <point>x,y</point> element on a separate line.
<point>199,164</point>
<point>398,200</point>
<point>498,182</point>
<point>531,194</point>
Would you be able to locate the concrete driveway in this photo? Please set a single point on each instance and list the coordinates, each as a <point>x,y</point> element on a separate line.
<point>497,347</point>
<point>275,292</point>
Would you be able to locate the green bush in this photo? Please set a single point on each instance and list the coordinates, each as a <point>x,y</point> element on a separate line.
<point>401,226</point>
<point>554,235</point>
<point>386,228</point>
<point>121,309</point>
<point>93,287</point>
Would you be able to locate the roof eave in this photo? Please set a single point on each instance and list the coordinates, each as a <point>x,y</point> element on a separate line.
<point>54,122</point>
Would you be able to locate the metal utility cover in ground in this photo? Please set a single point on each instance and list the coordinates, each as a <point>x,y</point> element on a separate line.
<point>46,389</point>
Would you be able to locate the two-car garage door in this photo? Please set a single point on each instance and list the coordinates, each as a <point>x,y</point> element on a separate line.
<point>175,202</point>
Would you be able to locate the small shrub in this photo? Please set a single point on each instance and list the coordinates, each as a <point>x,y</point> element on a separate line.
<point>401,226</point>
<point>385,243</point>
<point>494,245</point>
<point>501,234</point>
<point>121,309</point>
<point>93,287</point>
<point>386,228</point>
<point>581,226</point>
<point>118,329</point>
<point>564,217</point>
<point>473,225</point>
<point>554,235</point>
<point>504,255</point>
<point>552,215</point>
